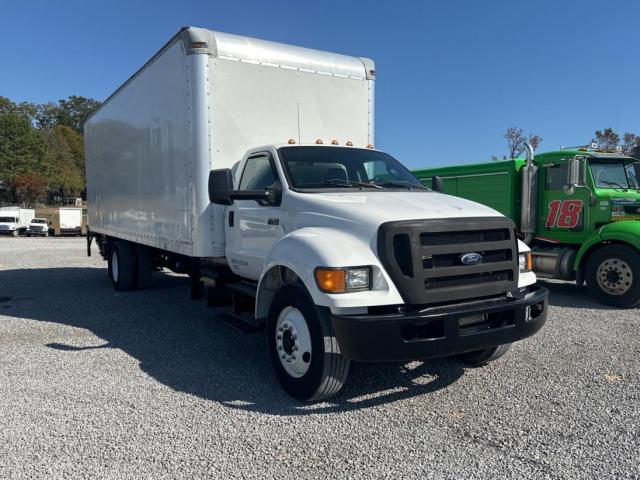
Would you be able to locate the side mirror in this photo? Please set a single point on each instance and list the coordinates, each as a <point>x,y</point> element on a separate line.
<point>574,177</point>
<point>220,186</point>
<point>221,190</point>
<point>436,184</point>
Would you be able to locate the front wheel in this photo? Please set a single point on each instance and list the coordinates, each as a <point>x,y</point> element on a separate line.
<point>613,275</point>
<point>15,233</point>
<point>303,347</point>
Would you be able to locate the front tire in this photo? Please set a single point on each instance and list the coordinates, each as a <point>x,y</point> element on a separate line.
<point>121,266</point>
<point>613,275</point>
<point>303,347</point>
<point>15,233</point>
<point>482,357</point>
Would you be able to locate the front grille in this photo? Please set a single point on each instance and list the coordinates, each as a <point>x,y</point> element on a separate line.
<point>442,238</point>
<point>425,258</point>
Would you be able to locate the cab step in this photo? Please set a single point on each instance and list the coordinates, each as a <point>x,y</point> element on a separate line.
<point>244,325</point>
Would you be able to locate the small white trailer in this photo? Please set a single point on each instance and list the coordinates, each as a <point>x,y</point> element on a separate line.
<point>249,166</point>
<point>70,221</point>
<point>15,220</point>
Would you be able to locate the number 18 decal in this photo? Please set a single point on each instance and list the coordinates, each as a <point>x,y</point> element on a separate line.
<point>564,214</point>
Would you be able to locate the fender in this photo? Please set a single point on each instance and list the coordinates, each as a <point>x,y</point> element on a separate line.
<point>304,249</point>
<point>626,231</point>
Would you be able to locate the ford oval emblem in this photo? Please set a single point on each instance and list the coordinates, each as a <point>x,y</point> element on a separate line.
<point>472,258</point>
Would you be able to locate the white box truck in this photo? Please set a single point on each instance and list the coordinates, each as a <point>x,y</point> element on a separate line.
<point>249,166</point>
<point>70,219</point>
<point>15,220</point>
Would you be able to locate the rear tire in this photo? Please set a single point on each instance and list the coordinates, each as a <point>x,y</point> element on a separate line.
<point>121,266</point>
<point>613,275</point>
<point>482,357</point>
<point>313,367</point>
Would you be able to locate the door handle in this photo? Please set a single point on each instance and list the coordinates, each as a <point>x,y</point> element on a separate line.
<point>231,218</point>
<point>273,221</point>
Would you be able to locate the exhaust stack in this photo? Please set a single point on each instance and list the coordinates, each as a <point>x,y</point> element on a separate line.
<point>529,199</point>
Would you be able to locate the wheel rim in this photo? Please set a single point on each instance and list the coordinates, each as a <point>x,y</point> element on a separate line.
<point>615,277</point>
<point>114,266</point>
<point>293,342</point>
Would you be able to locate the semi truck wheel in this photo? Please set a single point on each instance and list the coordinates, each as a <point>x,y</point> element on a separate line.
<point>15,233</point>
<point>613,275</point>
<point>302,346</point>
<point>482,357</point>
<point>121,267</point>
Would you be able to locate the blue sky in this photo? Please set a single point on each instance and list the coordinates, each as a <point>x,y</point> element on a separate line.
<point>451,75</point>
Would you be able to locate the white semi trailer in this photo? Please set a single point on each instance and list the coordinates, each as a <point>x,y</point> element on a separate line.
<point>249,166</point>
<point>15,220</point>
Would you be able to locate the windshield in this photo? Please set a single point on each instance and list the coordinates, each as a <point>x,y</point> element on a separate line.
<point>633,174</point>
<point>38,220</point>
<point>7,219</point>
<point>614,174</point>
<point>344,167</point>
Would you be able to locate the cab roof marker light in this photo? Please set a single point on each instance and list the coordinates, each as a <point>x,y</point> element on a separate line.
<point>319,141</point>
<point>349,143</point>
<point>291,141</point>
<point>334,142</point>
<point>370,145</point>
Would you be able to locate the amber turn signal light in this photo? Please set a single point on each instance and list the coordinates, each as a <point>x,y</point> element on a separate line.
<point>331,281</point>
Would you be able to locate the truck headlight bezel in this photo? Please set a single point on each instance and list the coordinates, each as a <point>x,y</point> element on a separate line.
<point>525,262</point>
<point>343,279</point>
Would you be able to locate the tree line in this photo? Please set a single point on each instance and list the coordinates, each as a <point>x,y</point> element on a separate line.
<point>606,139</point>
<point>42,150</point>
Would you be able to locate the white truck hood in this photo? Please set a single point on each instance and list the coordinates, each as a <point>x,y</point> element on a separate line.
<point>368,210</point>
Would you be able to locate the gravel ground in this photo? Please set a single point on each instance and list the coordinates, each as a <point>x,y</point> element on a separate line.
<point>98,384</point>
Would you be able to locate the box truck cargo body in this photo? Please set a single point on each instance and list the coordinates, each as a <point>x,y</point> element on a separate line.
<point>249,165</point>
<point>199,104</point>
<point>70,220</point>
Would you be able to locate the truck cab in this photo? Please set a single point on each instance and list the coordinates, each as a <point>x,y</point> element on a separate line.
<point>9,224</point>
<point>590,204</point>
<point>577,208</point>
<point>346,246</point>
<point>39,226</point>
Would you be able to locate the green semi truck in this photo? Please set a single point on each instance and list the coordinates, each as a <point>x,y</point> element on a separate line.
<point>578,209</point>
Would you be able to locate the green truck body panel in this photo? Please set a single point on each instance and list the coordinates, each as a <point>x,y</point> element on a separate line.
<point>495,184</point>
<point>587,217</point>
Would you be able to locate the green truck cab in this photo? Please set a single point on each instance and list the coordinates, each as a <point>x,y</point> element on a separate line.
<point>578,209</point>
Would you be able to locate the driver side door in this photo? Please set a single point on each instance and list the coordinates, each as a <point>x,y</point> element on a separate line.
<point>253,226</point>
<point>563,216</point>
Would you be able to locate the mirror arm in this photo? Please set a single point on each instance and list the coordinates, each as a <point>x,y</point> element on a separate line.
<point>249,194</point>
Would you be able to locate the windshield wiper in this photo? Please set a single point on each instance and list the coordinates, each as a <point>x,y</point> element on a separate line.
<point>615,184</point>
<point>401,183</point>
<point>338,182</point>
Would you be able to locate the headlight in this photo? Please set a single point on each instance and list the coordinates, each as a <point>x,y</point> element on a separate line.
<point>524,259</point>
<point>342,280</point>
